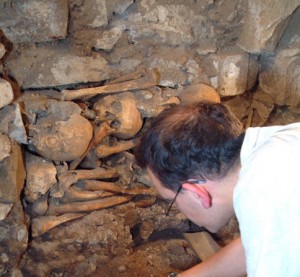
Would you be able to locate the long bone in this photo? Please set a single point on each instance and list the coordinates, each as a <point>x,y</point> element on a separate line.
<point>103,151</point>
<point>67,179</point>
<point>87,206</point>
<point>148,78</point>
<point>94,185</point>
<point>96,173</point>
<point>41,225</point>
<point>74,194</point>
<point>100,133</point>
<point>146,202</point>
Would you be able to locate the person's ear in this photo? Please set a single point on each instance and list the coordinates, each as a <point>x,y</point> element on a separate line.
<point>200,192</point>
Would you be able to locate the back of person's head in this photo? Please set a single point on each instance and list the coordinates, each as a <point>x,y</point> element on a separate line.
<point>193,141</point>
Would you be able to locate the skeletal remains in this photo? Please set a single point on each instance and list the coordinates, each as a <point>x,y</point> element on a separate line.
<point>75,128</point>
<point>77,159</point>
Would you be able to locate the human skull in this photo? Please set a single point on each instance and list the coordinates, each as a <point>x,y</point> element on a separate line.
<point>122,113</point>
<point>62,134</point>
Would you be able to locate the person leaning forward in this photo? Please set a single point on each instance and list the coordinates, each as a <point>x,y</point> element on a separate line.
<point>200,157</point>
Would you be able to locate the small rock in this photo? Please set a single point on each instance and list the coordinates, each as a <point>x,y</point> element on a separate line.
<point>146,229</point>
<point>11,123</point>
<point>4,210</point>
<point>109,39</point>
<point>6,93</point>
<point>122,268</point>
<point>5,146</point>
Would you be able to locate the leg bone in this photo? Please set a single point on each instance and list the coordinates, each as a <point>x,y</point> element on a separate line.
<point>149,79</point>
<point>88,206</point>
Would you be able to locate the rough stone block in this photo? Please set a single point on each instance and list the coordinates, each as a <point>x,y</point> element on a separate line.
<point>34,20</point>
<point>172,24</point>
<point>108,39</point>
<point>13,241</point>
<point>280,76</point>
<point>11,123</point>
<point>55,65</point>
<point>12,176</point>
<point>265,23</point>
<point>91,14</point>
<point>232,73</point>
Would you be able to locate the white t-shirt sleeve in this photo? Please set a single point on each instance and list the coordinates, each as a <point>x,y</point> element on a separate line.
<point>267,205</point>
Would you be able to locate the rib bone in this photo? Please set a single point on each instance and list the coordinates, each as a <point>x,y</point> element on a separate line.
<point>88,206</point>
<point>41,225</point>
<point>149,78</point>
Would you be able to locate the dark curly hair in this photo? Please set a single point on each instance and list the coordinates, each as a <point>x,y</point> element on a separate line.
<point>202,140</point>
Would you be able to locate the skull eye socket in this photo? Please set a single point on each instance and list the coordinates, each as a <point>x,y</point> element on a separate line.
<point>109,115</point>
<point>115,124</point>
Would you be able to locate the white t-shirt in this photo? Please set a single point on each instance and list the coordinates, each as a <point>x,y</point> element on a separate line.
<point>267,201</point>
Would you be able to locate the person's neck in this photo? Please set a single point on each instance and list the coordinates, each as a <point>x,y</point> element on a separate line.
<point>223,188</point>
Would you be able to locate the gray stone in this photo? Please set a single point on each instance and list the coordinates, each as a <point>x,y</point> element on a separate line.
<point>88,14</point>
<point>117,7</point>
<point>170,72</point>
<point>13,241</point>
<point>109,39</point>
<point>232,74</point>
<point>280,76</point>
<point>252,71</point>
<point>173,24</point>
<point>265,23</point>
<point>206,47</point>
<point>291,34</point>
<point>5,209</point>
<point>41,176</point>
<point>55,65</point>
<point>34,20</point>
<point>6,93</point>
<point>12,176</point>
<point>11,123</point>
<point>5,146</point>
